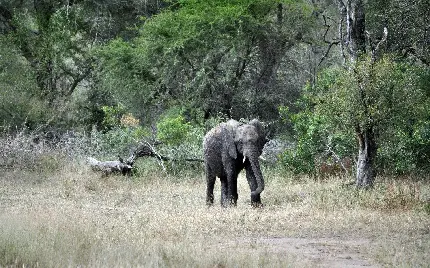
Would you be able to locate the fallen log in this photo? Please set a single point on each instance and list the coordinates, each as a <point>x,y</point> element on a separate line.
<point>125,167</point>
<point>108,167</point>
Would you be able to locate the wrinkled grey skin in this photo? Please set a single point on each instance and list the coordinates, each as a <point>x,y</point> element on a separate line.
<point>229,148</point>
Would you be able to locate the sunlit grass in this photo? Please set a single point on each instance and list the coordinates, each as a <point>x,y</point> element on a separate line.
<point>78,218</point>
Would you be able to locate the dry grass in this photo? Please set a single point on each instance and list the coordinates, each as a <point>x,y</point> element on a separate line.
<point>73,217</point>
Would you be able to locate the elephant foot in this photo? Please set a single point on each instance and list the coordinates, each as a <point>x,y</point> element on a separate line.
<point>228,203</point>
<point>257,205</point>
<point>209,200</point>
<point>256,201</point>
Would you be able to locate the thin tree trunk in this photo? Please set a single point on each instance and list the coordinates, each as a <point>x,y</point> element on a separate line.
<point>353,45</point>
<point>356,29</point>
<point>354,40</point>
<point>272,47</point>
<point>366,155</point>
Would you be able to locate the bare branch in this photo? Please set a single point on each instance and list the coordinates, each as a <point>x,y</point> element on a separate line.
<point>332,43</point>
<point>341,42</point>
<point>384,39</point>
<point>327,52</point>
<point>148,149</point>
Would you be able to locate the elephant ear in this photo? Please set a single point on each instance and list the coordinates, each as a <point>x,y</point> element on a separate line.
<point>228,140</point>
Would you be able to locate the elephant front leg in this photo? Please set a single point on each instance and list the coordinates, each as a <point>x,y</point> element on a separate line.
<point>228,192</point>
<point>229,189</point>
<point>232,196</point>
<point>233,189</point>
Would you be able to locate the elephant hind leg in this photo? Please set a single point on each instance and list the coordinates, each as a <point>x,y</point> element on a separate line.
<point>234,194</point>
<point>224,192</point>
<point>210,183</point>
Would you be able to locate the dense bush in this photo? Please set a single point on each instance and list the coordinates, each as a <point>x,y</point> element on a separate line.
<point>392,100</point>
<point>19,104</point>
<point>173,129</point>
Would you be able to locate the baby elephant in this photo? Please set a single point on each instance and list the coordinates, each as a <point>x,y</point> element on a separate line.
<point>229,148</point>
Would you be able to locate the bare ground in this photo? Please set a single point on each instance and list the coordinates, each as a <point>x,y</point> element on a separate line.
<point>116,221</point>
<point>326,252</point>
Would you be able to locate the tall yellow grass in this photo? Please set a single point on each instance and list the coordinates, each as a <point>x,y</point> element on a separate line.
<point>75,217</point>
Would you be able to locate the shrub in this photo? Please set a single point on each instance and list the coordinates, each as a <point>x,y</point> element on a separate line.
<point>337,106</point>
<point>26,151</point>
<point>173,129</point>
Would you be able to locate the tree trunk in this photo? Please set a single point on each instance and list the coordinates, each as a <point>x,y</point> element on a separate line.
<point>353,42</point>
<point>272,44</point>
<point>366,156</point>
<point>356,29</point>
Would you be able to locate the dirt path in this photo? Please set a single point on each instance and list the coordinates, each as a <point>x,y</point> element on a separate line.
<point>310,252</point>
<point>323,252</point>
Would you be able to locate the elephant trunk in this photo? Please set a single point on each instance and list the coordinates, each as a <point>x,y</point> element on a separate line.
<point>255,165</point>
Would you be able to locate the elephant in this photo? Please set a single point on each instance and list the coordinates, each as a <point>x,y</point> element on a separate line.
<point>229,148</point>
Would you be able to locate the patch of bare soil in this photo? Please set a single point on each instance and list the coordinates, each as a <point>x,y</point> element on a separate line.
<point>323,252</point>
<point>310,252</point>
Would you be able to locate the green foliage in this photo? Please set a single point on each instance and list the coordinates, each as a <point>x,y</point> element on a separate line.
<point>397,105</point>
<point>52,45</point>
<point>68,64</point>
<point>385,96</point>
<point>316,141</point>
<point>55,42</point>
<point>18,103</point>
<point>407,24</point>
<point>117,141</point>
<point>112,116</point>
<point>318,133</point>
<point>58,40</point>
<point>119,133</point>
<point>181,132</point>
<point>284,113</point>
<point>126,76</point>
<point>207,51</point>
<point>172,129</point>
<point>85,109</point>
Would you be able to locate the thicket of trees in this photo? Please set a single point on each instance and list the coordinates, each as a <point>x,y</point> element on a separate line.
<point>336,78</point>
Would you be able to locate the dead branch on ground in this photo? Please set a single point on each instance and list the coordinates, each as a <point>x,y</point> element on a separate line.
<point>145,149</point>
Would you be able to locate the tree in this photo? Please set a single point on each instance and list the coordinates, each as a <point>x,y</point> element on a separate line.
<point>395,107</point>
<point>51,36</point>
<point>18,105</point>
<point>223,56</point>
<point>408,23</point>
<point>57,39</point>
<point>353,45</point>
<point>361,99</point>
